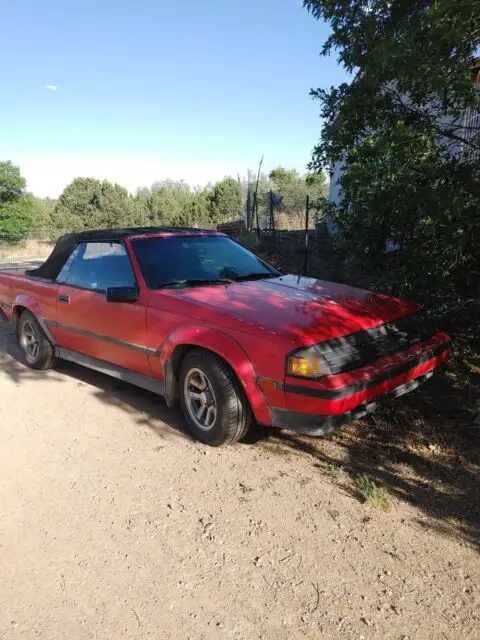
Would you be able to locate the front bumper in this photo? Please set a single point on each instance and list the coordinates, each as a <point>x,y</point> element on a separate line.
<point>319,407</point>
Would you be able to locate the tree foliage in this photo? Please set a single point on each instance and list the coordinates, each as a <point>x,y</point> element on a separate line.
<point>43,215</point>
<point>175,203</point>
<point>88,203</point>
<point>225,200</point>
<point>411,168</point>
<point>293,188</point>
<point>16,206</point>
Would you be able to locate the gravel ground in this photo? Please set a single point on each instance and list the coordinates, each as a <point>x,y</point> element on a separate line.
<point>115,524</point>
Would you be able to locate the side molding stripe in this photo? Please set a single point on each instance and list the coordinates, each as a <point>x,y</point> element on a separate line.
<point>138,379</point>
<point>97,336</point>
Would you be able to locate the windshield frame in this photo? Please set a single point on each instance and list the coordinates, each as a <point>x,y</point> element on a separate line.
<point>271,271</point>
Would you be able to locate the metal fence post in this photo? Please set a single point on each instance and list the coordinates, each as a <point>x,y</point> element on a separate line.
<point>255,208</point>
<point>272,218</point>
<point>307,211</point>
<point>249,209</point>
<point>255,197</point>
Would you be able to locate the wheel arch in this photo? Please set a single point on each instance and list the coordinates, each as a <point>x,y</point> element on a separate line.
<point>184,340</point>
<point>26,303</point>
<point>17,312</point>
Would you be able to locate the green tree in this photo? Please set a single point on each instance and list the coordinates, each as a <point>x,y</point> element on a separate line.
<point>88,203</point>
<point>139,208</point>
<point>317,185</point>
<point>43,215</point>
<point>289,181</point>
<point>293,189</point>
<point>225,201</point>
<point>397,128</point>
<point>171,203</point>
<point>200,212</point>
<point>285,180</point>
<point>16,206</point>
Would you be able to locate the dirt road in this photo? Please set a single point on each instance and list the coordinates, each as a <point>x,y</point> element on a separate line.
<point>114,524</point>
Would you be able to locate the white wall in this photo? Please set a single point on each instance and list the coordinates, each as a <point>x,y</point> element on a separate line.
<point>334,193</point>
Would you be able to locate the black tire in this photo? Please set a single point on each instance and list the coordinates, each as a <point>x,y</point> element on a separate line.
<point>233,413</point>
<point>43,357</point>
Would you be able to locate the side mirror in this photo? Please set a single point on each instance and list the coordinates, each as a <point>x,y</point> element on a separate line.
<point>122,294</point>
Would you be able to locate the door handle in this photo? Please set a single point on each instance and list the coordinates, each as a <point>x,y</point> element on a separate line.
<point>64,299</point>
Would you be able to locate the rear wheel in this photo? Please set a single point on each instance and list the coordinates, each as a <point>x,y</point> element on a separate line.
<point>37,349</point>
<point>213,402</point>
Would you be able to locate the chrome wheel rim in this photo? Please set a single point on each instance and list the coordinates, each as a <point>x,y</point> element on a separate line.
<point>30,341</point>
<point>200,399</point>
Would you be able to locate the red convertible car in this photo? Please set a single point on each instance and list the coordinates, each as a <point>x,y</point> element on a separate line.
<point>199,319</point>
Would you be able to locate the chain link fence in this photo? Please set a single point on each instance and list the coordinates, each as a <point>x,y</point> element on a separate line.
<point>27,247</point>
<point>290,223</point>
<point>272,212</point>
<point>284,222</point>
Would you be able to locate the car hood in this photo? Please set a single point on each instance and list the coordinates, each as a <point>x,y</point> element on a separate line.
<point>305,310</point>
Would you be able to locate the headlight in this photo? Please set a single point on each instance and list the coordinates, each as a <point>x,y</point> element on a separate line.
<point>307,363</point>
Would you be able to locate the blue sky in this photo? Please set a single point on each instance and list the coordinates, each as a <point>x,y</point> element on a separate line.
<point>151,89</point>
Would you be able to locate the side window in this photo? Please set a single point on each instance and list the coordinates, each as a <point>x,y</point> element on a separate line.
<point>62,276</point>
<point>99,265</point>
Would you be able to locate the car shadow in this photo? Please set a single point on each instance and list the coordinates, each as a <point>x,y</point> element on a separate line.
<point>144,407</point>
<point>423,448</point>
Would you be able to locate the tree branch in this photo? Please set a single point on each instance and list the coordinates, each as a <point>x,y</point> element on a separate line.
<point>432,120</point>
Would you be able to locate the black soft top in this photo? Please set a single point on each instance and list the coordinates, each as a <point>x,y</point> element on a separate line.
<point>52,266</point>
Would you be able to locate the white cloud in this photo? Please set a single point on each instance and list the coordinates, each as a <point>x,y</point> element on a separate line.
<point>51,87</point>
<point>48,175</point>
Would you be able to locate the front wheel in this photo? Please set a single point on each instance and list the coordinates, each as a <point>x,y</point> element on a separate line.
<point>37,348</point>
<point>213,402</point>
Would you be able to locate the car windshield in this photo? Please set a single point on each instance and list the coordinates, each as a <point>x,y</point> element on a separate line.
<point>187,261</point>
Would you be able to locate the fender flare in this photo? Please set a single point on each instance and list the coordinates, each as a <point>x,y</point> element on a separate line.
<point>28,303</point>
<point>32,305</point>
<point>227,348</point>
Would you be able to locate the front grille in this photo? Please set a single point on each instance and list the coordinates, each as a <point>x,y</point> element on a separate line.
<point>360,349</point>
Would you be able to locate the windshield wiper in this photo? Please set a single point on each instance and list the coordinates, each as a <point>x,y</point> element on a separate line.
<point>192,282</point>
<point>257,276</point>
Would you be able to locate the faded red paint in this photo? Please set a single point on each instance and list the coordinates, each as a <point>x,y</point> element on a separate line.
<point>253,326</point>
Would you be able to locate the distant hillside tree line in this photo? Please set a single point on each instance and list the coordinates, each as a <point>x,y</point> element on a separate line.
<point>89,203</point>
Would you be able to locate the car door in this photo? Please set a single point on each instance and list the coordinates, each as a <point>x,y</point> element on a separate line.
<point>114,332</point>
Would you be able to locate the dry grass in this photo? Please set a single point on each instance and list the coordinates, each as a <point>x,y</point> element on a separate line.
<point>26,250</point>
<point>425,447</point>
<point>285,221</point>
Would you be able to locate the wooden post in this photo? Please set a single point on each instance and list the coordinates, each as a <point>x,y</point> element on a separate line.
<point>307,211</point>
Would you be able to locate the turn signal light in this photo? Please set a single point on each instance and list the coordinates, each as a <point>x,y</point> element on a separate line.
<point>307,364</point>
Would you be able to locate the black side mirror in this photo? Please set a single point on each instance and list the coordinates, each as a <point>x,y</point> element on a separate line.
<point>122,294</point>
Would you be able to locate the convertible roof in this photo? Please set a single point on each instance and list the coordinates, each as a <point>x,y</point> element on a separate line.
<point>52,266</point>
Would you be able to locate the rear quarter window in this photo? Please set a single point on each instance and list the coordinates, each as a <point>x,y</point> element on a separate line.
<point>62,276</point>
